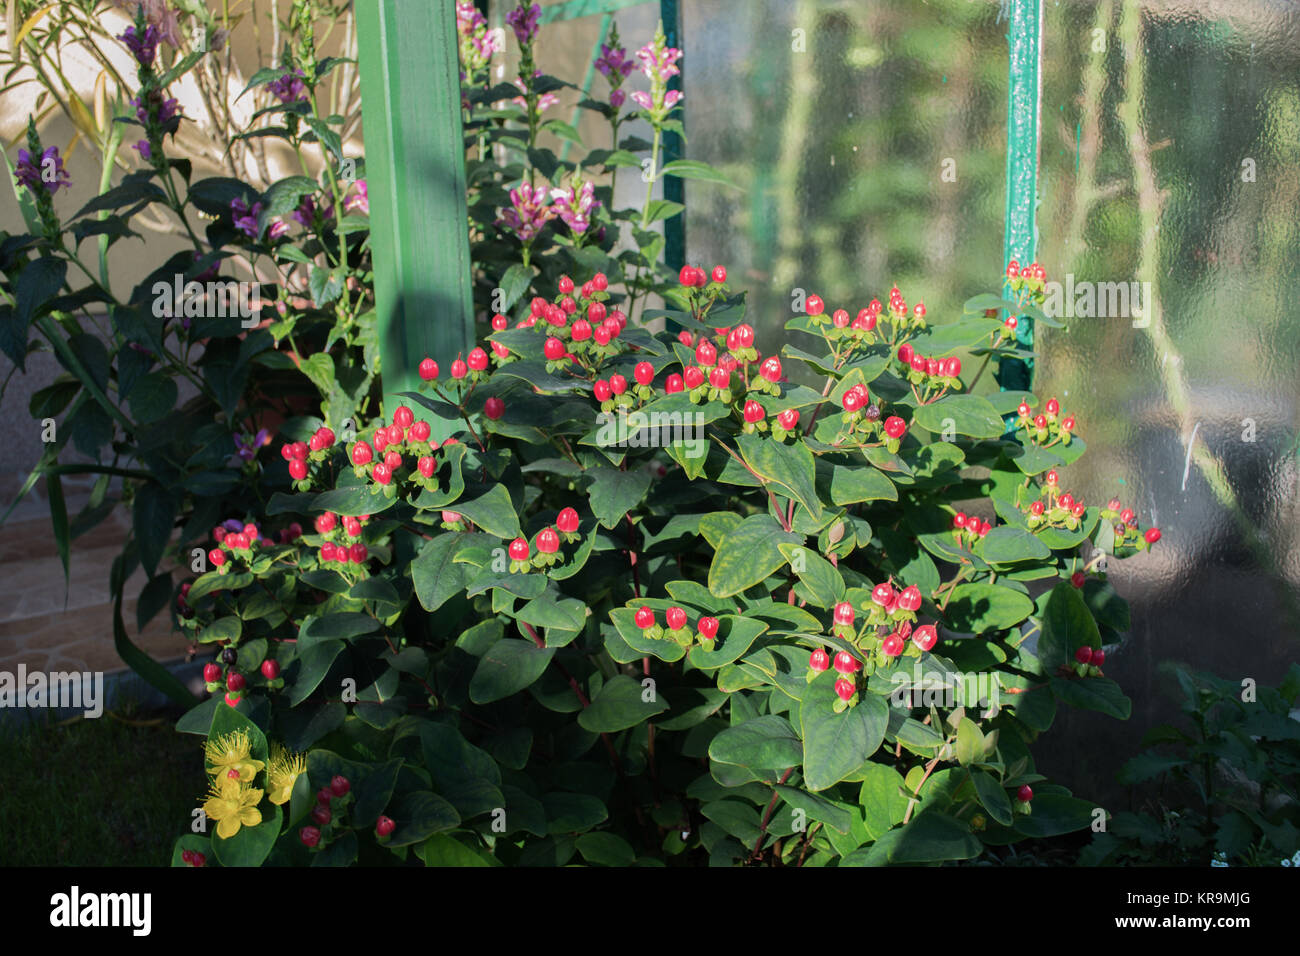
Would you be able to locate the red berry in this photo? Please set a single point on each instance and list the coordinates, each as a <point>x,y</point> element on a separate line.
<point>693,377</point>
<point>645,618</point>
<point>494,408</point>
<point>719,274</point>
<point>340,785</point>
<point>1152,535</point>
<point>357,554</point>
<point>705,354</point>
<point>459,369</point>
<point>565,285</point>
<point>720,378</point>
<point>1011,322</point>
<point>384,826</point>
<point>985,528</point>
<point>814,305</point>
<point>892,645</point>
<point>644,373</point>
<point>382,473</point>
<point>211,672</point>
<point>753,412</point>
<point>954,367</point>
<point>428,369</point>
<point>844,613</point>
<point>674,384</point>
<point>910,598</point>
<point>919,310</point>
<point>297,469</point>
<point>270,669</point>
<point>500,323</point>
<point>548,542</point>
<point>581,330</point>
<point>235,682</point>
<point>819,661</point>
<point>959,520</point>
<point>1040,422</point>
<point>1052,478</point>
<point>596,312</point>
<point>852,400</point>
<point>1023,410</point>
<point>519,550</point>
<point>867,318</point>
<point>599,282</point>
<point>1078,579</point>
<point>1078,510</point>
<point>217,557</point>
<point>1066,501</point>
<point>745,336</point>
<point>321,815</point>
<point>788,419</point>
<point>1052,406</point>
<point>601,390</point>
<point>420,431</point>
<point>567,521</point>
<point>310,836</point>
<point>403,416</point>
<point>324,795</point>
<point>393,460</point>
<point>1098,657</point>
<point>1025,794</point>
<point>426,465</point>
<point>840,319</point>
<point>1067,424</point>
<point>1013,269</point>
<point>1126,516</point>
<point>905,352</point>
<point>771,369</point>
<point>844,689</point>
<point>686,276</point>
<point>553,349</point>
<point>1083,655</point>
<point>477,359</point>
<point>925,636</point>
<point>676,618</point>
<point>327,551</point>
<point>846,663</point>
<point>708,627</point>
<point>361,453</point>
<point>537,306</point>
<point>617,384</point>
<point>895,426</point>
<point>882,594</point>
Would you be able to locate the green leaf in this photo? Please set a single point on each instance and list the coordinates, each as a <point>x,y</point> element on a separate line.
<point>443,850</point>
<point>605,849</point>
<point>1055,814</point>
<point>764,743</point>
<point>1093,693</point>
<point>992,796</point>
<point>697,170</point>
<point>494,512</point>
<point>662,209</point>
<point>851,485</point>
<point>975,608</point>
<point>964,414</point>
<point>153,515</point>
<point>313,664</point>
<point>881,798</point>
<point>1006,545</point>
<point>508,667</point>
<point>435,573</point>
<point>419,815</point>
<point>748,554</point>
<point>572,812</point>
<point>39,282</point>
<point>837,745</point>
<point>825,584</point>
<point>928,838</point>
<point>337,626</point>
<point>615,493</point>
<point>152,397</point>
<point>970,742</point>
<point>514,283</point>
<point>789,466</point>
<point>1067,626</point>
<point>620,705</point>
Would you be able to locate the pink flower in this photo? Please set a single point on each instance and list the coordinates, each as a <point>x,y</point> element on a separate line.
<point>659,63</point>
<point>528,214</point>
<point>524,21</point>
<point>358,201</point>
<point>575,205</point>
<point>545,101</point>
<point>477,43</point>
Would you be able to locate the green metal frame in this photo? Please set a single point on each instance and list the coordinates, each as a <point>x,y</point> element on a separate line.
<point>1024,91</point>
<point>415,172</point>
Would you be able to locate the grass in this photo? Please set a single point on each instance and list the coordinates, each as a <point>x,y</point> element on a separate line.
<point>114,791</point>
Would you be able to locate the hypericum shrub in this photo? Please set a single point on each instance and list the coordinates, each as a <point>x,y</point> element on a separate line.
<point>596,592</point>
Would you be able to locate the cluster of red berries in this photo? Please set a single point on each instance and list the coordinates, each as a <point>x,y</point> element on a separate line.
<point>705,631</point>
<point>1060,510</point>
<point>341,533</point>
<point>405,434</point>
<point>239,543</point>
<point>1049,426</point>
<point>546,542</point>
<point>332,803</point>
<point>972,526</point>
<point>861,415</point>
<point>298,453</point>
<point>928,368</point>
<point>233,681</point>
<point>193,858</point>
<point>182,606</point>
<point>880,638</point>
<point>1030,273</point>
<point>840,321</point>
<point>693,277</point>
<point>1088,661</point>
<point>1127,531</point>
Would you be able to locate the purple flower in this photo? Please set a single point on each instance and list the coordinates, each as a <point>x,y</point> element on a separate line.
<point>305,214</point>
<point>524,22</point>
<point>246,447</point>
<point>289,88</point>
<point>575,204</point>
<point>169,114</point>
<point>613,60</point>
<point>617,98</point>
<point>210,272</point>
<point>545,101</point>
<point>143,146</point>
<point>46,173</point>
<point>278,228</point>
<point>245,220</point>
<point>528,214</point>
<point>659,63</point>
<point>360,201</point>
<point>144,47</point>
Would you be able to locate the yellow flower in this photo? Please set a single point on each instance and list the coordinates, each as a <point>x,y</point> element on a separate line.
<point>284,771</point>
<point>233,806</point>
<point>231,752</point>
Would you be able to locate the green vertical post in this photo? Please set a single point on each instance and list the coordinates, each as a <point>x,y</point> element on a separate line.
<point>1024,90</point>
<point>415,178</point>
<point>674,188</point>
